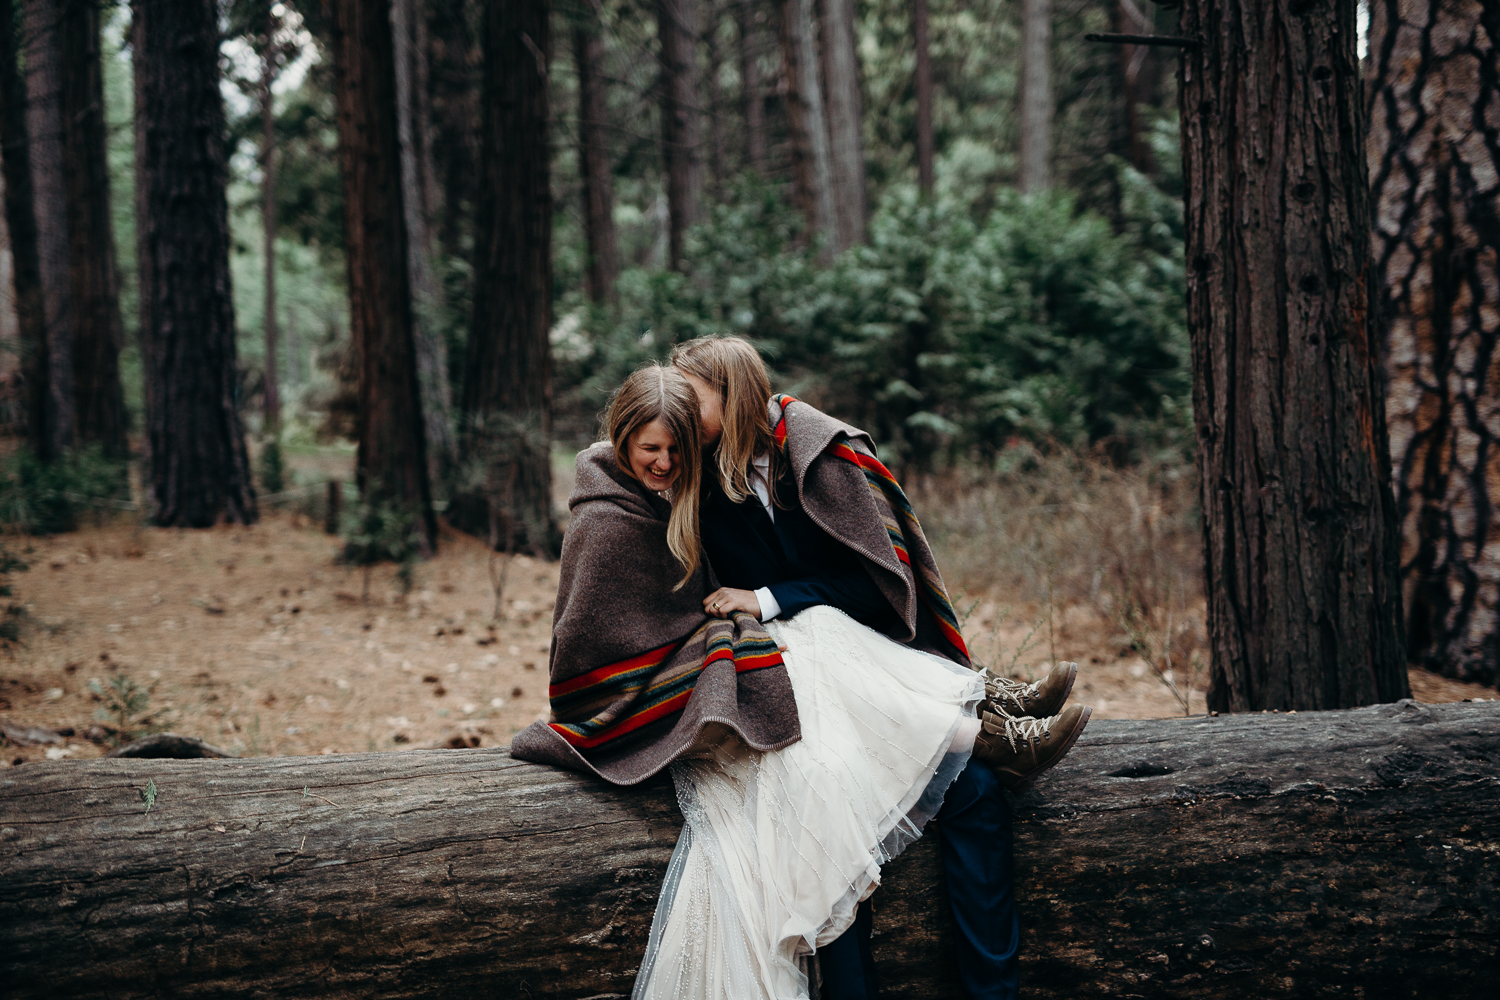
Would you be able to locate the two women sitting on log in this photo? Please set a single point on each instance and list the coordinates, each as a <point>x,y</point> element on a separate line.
<point>747,597</point>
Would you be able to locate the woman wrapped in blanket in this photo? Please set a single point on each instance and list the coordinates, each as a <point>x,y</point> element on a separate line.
<point>805,754</point>
<point>800,518</point>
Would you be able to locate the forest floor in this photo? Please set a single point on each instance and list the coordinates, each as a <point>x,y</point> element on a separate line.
<point>256,640</point>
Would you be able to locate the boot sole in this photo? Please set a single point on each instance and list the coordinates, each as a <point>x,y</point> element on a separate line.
<point>1021,783</point>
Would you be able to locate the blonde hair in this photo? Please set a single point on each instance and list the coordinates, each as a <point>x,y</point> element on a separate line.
<point>732,367</point>
<point>652,393</point>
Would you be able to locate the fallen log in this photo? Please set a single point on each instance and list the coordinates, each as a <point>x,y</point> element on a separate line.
<point>1347,854</point>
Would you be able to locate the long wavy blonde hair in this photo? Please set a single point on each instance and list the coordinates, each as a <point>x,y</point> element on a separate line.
<point>660,393</point>
<point>733,368</point>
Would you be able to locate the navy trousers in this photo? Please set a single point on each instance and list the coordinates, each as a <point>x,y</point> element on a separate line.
<point>977,850</point>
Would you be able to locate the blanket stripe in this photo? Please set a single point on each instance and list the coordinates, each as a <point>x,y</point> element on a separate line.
<point>900,524</point>
<point>616,699</point>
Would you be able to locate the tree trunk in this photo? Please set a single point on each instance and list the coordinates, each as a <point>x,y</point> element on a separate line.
<point>812,165</point>
<point>593,158</point>
<point>44,127</point>
<point>392,457</point>
<point>1130,19</point>
<point>199,470</point>
<point>924,95</point>
<point>20,221</point>
<point>681,119</point>
<point>507,399</point>
<point>1337,854</point>
<point>845,139</point>
<point>715,109</point>
<point>453,63</point>
<point>1036,95</point>
<point>1434,149</point>
<point>98,331</point>
<point>1299,521</point>
<point>268,229</point>
<point>751,95</point>
<point>432,353</point>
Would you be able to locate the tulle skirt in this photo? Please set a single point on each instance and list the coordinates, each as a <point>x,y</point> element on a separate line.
<point>777,849</point>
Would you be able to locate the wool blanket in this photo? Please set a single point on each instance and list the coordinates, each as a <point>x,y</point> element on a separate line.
<point>848,493</point>
<point>637,669</point>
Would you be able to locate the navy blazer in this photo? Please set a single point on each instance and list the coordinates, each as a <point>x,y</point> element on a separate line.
<point>800,563</point>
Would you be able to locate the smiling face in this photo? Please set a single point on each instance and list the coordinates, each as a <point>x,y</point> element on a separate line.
<point>654,457</point>
<point>710,409</point>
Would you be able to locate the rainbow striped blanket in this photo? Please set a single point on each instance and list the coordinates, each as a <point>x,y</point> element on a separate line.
<point>851,495</point>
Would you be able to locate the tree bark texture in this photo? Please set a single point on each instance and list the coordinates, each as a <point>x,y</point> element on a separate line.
<point>507,395</point>
<point>845,135</point>
<point>454,74</point>
<point>1132,19</point>
<point>268,233</point>
<point>1037,106</point>
<point>593,157</point>
<point>432,352</point>
<point>392,457</point>
<point>20,221</point>
<point>924,94</point>
<point>1434,149</point>
<point>1299,520</point>
<point>751,89</point>
<point>812,164</point>
<point>44,128</point>
<point>199,469</point>
<point>93,275</point>
<point>681,119</point>
<point>1316,854</point>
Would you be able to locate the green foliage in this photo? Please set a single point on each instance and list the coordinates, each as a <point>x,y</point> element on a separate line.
<point>272,472</point>
<point>44,498</point>
<point>377,530</point>
<point>126,706</point>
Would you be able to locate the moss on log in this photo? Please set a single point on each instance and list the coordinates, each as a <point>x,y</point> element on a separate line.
<point>1339,854</point>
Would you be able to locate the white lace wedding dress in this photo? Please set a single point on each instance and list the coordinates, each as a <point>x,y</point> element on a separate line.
<point>778,848</point>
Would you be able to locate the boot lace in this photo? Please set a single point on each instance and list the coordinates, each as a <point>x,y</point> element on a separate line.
<point>1017,731</point>
<point>1000,690</point>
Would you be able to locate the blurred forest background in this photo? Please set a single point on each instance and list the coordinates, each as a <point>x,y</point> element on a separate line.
<point>956,223</point>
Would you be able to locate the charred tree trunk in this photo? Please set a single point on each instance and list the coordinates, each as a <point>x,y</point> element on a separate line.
<point>1036,95</point>
<point>1300,531</point>
<point>924,95</point>
<point>845,139</point>
<point>268,235</point>
<point>1434,149</point>
<point>98,331</point>
<point>593,158</point>
<point>507,396</point>
<point>812,165</point>
<point>44,127</point>
<point>751,96</point>
<point>1317,854</point>
<point>392,457</point>
<point>681,119</point>
<point>199,470</point>
<point>20,221</point>
<point>432,353</point>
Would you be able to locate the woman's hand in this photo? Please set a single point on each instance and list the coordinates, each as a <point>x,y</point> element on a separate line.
<point>726,600</point>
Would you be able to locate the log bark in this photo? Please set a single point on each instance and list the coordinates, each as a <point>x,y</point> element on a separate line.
<point>93,274</point>
<point>392,456</point>
<point>506,428</point>
<point>846,148</point>
<point>812,166</point>
<point>1434,148</point>
<point>1300,531</point>
<point>44,128</point>
<point>681,120</point>
<point>20,221</point>
<point>199,469</point>
<point>1036,95</point>
<point>593,157</point>
<point>1315,854</point>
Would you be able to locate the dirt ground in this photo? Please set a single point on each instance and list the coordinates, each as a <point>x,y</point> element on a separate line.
<point>255,640</point>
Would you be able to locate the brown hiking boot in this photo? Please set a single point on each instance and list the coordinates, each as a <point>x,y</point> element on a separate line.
<point>1018,750</point>
<point>1017,698</point>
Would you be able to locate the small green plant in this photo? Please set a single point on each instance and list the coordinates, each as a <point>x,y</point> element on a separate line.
<point>45,498</point>
<point>272,471</point>
<point>125,705</point>
<point>377,531</point>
